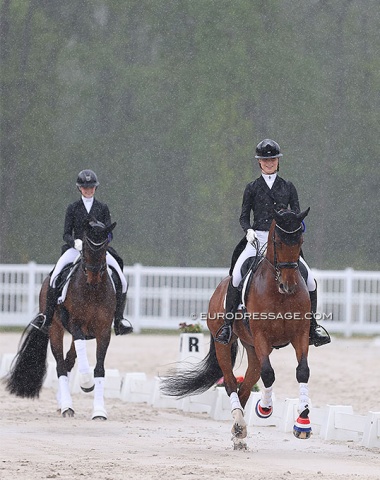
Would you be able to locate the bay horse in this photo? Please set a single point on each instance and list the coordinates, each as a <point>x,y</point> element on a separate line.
<point>277,312</point>
<point>87,312</point>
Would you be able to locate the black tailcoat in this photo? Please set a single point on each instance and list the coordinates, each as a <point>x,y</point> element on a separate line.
<point>75,220</point>
<point>262,201</point>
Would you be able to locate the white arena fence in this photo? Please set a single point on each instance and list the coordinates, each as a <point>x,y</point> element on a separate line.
<point>164,297</point>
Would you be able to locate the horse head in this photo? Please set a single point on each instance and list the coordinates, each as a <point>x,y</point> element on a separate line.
<point>95,241</point>
<point>286,236</point>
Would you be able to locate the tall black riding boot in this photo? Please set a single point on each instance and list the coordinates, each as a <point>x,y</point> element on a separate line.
<point>233,298</point>
<point>121,325</point>
<point>44,320</point>
<point>318,335</point>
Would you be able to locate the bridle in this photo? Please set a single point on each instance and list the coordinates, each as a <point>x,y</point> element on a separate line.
<point>278,266</point>
<point>95,247</point>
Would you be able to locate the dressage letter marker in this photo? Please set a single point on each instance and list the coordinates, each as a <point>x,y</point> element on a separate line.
<point>191,348</point>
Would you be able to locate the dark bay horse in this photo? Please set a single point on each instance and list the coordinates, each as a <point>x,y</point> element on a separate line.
<point>86,313</point>
<point>277,313</point>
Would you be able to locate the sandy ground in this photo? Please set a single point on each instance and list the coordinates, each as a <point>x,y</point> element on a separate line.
<point>140,442</point>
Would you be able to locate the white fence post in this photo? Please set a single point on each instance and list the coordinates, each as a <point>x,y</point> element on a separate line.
<point>348,303</point>
<point>164,297</point>
<point>31,289</point>
<point>137,270</point>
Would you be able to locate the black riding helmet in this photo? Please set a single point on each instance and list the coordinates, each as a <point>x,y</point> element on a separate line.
<point>87,178</point>
<point>268,149</point>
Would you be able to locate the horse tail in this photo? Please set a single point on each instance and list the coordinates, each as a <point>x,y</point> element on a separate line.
<point>29,367</point>
<point>199,378</point>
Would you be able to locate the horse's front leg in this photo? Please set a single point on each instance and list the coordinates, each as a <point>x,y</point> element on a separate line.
<point>99,411</point>
<point>264,407</point>
<point>86,379</point>
<point>302,428</point>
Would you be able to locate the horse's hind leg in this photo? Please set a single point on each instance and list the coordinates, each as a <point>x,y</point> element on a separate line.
<point>239,427</point>
<point>64,399</point>
<point>252,375</point>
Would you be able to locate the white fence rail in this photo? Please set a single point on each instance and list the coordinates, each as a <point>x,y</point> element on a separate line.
<point>163,297</point>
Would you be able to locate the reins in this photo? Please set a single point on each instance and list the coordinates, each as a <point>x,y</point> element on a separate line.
<point>95,247</point>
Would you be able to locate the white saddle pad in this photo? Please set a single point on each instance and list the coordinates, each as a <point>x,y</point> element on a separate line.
<point>62,298</point>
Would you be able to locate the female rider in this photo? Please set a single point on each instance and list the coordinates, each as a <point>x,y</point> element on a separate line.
<point>86,208</point>
<point>267,193</point>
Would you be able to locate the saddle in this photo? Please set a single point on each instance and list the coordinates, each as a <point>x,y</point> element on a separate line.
<point>68,270</point>
<point>248,269</point>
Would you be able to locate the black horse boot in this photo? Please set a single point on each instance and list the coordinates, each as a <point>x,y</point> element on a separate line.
<point>120,324</point>
<point>233,298</point>
<point>318,335</point>
<point>44,320</point>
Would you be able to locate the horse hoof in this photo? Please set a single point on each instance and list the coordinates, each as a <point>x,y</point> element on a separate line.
<point>87,382</point>
<point>263,412</point>
<point>302,428</point>
<point>239,444</point>
<point>68,412</point>
<point>99,414</point>
<point>87,390</point>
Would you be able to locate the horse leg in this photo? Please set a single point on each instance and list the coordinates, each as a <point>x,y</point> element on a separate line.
<point>264,406</point>
<point>239,427</point>
<point>65,403</point>
<point>301,428</point>
<point>252,374</point>
<point>99,411</point>
<point>70,359</point>
<point>86,380</point>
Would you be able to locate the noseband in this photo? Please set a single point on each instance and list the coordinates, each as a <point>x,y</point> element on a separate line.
<point>95,247</point>
<point>278,266</point>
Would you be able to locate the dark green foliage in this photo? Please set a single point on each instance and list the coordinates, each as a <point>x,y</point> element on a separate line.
<point>166,101</point>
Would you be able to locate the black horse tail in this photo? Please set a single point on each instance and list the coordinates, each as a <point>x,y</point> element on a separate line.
<point>28,369</point>
<point>199,378</point>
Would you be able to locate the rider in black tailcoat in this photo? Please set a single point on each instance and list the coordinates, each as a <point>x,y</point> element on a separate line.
<point>77,215</point>
<point>262,197</point>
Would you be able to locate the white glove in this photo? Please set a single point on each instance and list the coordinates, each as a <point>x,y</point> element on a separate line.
<point>251,236</point>
<point>78,244</point>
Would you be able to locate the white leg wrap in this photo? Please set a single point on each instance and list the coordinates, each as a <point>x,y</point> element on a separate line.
<point>99,392</point>
<point>266,397</point>
<point>235,402</point>
<point>303,397</point>
<point>65,397</point>
<point>81,349</point>
<point>99,410</point>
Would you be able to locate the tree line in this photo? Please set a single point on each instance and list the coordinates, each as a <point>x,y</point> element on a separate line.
<point>166,100</point>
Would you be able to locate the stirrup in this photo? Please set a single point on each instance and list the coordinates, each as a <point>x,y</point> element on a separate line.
<point>122,326</point>
<point>219,337</point>
<point>39,323</point>
<point>319,336</point>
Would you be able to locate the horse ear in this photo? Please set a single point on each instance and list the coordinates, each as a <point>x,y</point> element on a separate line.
<point>112,226</point>
<point>303,214</point>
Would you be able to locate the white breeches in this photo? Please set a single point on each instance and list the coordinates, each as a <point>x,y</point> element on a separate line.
<point>250,251</point>
<point>71,254</point>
